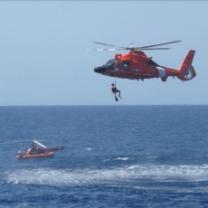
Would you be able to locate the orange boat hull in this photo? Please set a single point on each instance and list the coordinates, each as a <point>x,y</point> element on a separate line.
<point>29,156</point>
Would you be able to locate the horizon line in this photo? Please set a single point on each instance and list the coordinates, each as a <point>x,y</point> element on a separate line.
<point>103,105</point>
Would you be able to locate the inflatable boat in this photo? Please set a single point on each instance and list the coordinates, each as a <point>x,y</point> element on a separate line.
<point>38,150</point>
<point>26,155</point>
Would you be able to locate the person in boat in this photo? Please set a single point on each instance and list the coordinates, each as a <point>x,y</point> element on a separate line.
<point>115,91</point>
<point>37,148</point>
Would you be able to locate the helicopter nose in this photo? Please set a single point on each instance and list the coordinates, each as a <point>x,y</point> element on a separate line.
<point>100,69</point>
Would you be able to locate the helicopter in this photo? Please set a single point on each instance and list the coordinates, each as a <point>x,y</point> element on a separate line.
<point>137,65</point>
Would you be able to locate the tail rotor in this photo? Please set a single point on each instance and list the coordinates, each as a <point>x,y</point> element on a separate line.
<point>186,70</point>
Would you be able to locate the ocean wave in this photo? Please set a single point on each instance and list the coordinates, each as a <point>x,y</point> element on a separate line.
<point>122,158</point>
<point>175,189</point>
<point>106,176</point>
<point>88,148</point>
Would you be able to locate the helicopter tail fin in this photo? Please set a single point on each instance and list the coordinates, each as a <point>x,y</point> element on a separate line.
<point>186,70</point>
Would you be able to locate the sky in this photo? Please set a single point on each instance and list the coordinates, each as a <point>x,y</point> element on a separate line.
<point>44,58</point>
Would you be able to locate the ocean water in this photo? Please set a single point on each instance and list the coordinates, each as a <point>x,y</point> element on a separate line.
<point>114,156</point>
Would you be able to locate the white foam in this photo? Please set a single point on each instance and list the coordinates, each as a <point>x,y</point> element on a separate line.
<point>172,172</point>
<point>122,158</point>
<point>105,176</point>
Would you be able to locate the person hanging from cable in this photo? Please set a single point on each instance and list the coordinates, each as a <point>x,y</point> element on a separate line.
<point>115,91</point>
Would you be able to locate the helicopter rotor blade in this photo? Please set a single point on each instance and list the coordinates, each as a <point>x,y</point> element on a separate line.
<point>160,44</point>
<point>145,49</point>
<point>132,48</point>
<point>104,49</point>
<point>110,45</point>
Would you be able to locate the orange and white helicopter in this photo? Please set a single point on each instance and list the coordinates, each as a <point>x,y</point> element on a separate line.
<point>137,65</point>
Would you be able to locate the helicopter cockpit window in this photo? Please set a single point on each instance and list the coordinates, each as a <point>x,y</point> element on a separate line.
<point>110,63</point>
<point>125,65</point>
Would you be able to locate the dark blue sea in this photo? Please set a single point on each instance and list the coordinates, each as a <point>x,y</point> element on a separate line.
<point>114,156</point>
